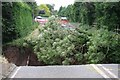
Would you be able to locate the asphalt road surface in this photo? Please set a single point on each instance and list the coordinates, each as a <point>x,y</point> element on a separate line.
<point>104,71</point>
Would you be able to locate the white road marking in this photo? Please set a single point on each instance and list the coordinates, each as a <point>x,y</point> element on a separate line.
<point>114,76</point>
<point>100,72</point>
<point>15,72</point>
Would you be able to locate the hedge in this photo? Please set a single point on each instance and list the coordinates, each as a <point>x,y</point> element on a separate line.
<point>17,20</point>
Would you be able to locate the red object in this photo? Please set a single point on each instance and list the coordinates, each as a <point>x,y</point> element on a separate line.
<point>64,21</point>
<point>42,21</point>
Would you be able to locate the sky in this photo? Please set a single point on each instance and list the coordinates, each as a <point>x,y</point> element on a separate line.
<point>58,3</point>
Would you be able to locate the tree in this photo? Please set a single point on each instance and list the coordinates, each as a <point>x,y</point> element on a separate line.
<point>45,8</point>
<point>76,10</point>
<point>51,8</point>
<point>62,11</point>
<point>17,20</point>
<point>108,14</point>
<point>69,12</point>
<point>34,8</point>
<point>87,13</point>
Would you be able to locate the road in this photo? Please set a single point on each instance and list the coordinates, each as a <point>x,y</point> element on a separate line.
<point>92,71</point>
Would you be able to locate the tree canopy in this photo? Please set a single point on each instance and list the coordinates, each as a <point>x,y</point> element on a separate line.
<point>45,8</point>
<point>91,13</point>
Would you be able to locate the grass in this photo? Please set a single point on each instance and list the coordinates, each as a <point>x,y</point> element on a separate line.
<point>33,35</point>
<point>20,41</point>
<point>17,42</point>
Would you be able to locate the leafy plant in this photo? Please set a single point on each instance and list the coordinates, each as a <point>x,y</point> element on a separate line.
<point>101,47</point>
<point>17,20</point>
<point>56,45</point>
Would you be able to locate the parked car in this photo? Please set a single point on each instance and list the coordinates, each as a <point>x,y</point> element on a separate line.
<point>64,21</point>
<point>41,20</point>
<point>37,18</point>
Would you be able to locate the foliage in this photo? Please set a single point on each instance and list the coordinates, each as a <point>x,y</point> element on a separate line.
<point>24,21</point>
<point>87,13</point>
<point>104,42</point>
<point>17,20</point>
<point>76,12</point>
<point>89,43</point>
<point>90,13</point>
<point>33,6</point>
<point>51,8</point>
<point>108,14</point>
<point>8,27</point>
<point>46,8</point>
<point>79,12</point>
<point>56,45</point>
<point>62,11</point>
<point>103,46</point>
<point>18,42</point>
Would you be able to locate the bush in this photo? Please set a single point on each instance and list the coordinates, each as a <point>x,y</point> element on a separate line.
<point>57,45</point>
<point>103,47</point>
<point>17,20</point>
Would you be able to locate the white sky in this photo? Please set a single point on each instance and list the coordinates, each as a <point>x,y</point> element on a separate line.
<point>57,3</point>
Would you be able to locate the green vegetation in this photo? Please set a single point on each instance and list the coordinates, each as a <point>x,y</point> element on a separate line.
<point>17,20</point>
<point>102,14</point>
<point>96,40</point>
<point>103,46</point>
<point>55,45</point>
<point>86,44</point>
<point>101,22</point>
<point>45,8</point>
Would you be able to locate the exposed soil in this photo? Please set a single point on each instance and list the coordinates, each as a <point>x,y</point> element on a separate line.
<point>20,56</point>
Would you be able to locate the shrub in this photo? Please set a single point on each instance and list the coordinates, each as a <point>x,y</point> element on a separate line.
<point>103,47</point>
<point>57,45</point>
<point>17,20</point>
